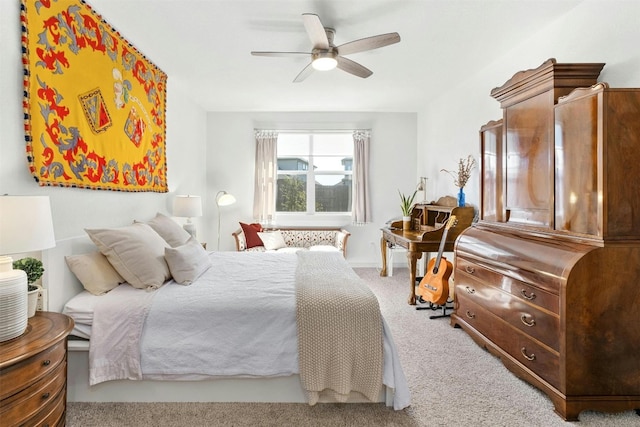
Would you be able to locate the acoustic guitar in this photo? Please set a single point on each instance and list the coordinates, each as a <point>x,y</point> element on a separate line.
<point>434,286</point>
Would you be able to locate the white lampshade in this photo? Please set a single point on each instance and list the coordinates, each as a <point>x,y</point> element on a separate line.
<point>187,206</point>
<point>225,199</point>
<point>25,224</point>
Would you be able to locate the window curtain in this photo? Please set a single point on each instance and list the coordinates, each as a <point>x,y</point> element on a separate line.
<point>361,209</point>
<point>264,202</point>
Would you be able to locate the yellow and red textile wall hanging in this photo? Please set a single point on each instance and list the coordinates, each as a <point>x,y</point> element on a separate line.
<point>94,105</point>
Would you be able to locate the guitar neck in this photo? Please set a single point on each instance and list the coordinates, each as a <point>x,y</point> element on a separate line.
<point>441,249</point>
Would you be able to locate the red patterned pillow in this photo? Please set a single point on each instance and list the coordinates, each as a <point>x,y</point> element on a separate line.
<point>251,234</point>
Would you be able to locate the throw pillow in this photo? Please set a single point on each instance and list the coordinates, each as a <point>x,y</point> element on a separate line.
<point>272,240</point>
<point>251,234</point>
<point>94,272</point>
<point>187,262</point>
<point>136,252</point>
<point>169,230</point>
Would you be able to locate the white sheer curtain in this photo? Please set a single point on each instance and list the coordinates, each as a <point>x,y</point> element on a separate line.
<point>264,202</point>
<point>361,209</point>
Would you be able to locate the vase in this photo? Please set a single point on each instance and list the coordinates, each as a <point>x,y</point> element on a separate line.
<point>461,201</point>
<point>406,223</point>
<point>32,300</point>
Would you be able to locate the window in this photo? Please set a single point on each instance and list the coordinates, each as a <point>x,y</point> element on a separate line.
<point>314,172</point>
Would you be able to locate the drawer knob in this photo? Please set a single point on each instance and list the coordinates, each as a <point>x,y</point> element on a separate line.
<point>46,362</point>
<point>469,269</point>
<point>532,356</point>
<point>470,315</point>
<point>45,396</point>
<point>525,319</point>
<point>528,296</point>
<point>470,290</point>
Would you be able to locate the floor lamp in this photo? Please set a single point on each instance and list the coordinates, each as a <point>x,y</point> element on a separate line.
<point>223,199</point>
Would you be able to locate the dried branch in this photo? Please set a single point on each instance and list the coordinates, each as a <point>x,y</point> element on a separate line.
<point>464,171</point>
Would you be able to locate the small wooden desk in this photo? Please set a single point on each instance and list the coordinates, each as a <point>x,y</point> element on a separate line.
<point>427,239</point>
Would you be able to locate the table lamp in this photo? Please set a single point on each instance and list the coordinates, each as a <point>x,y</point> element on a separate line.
<point>188,207</point>
<point>223,199</point>
<point>25,226</point>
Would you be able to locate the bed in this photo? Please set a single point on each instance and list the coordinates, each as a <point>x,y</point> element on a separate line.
<point>254,301</point>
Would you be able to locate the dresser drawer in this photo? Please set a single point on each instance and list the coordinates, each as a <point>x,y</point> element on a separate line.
<point>517,288</point>
<point>20,375</point>
<point>26,404</point>
<point>53,414</point>
<point>536,357</point>
<point>528,318</point>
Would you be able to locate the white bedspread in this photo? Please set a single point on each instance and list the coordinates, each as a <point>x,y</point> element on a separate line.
<point>237,319</point>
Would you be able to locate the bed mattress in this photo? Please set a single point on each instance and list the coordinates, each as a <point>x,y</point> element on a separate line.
<point>238,319</point>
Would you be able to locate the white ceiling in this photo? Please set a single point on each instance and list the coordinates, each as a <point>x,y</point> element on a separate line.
<point>204,46</point>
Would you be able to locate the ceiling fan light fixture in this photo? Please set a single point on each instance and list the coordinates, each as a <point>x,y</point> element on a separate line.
<point>324,61</point>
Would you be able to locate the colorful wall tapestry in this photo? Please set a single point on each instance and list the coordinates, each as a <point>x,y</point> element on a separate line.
<point>94,105</point>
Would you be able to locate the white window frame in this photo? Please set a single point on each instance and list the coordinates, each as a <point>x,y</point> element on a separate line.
<point>320,218</point>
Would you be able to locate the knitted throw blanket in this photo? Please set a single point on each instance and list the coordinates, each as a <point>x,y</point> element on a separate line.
<point>339,330</point>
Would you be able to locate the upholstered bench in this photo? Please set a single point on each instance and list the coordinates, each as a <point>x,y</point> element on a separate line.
<point>291,239</point>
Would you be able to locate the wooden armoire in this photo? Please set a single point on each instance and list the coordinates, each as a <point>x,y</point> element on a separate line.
<point>548,279</point>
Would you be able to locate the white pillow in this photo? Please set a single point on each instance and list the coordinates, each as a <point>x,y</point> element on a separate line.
<point>169,230</point>
<point>272,240</point>
<point>136,252</point>
<point>324,248</point>
<point>94,272</point>
<point>187,262</point>
<point>291,249</point>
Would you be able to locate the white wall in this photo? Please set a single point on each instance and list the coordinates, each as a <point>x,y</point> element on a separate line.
<point>75,209</point>
<point>594,31</point>
<point>231,158</point>
<point>209,152</point>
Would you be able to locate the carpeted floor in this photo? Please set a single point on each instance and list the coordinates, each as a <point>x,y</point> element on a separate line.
<point>453,382</point>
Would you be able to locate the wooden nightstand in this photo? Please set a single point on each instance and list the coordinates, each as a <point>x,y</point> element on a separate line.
<point>33,373</point>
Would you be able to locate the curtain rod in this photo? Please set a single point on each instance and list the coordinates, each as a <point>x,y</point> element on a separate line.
<point>311,130</point>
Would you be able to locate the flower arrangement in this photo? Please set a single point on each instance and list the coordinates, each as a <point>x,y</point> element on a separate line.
<point>464,171</point>
<point>406,202</point>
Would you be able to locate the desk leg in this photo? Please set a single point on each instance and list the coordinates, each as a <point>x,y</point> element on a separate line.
<point>412,258</point>
<point>383,251</point>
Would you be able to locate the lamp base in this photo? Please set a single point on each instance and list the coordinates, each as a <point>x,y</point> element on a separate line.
<point>190,228</point>
<point>13,300</point>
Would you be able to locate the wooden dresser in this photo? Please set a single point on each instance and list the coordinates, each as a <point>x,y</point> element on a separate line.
<point>33,373</point>
<point>548,279</point>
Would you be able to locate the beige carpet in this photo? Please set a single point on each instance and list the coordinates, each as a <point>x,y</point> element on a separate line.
<point>453,382</point>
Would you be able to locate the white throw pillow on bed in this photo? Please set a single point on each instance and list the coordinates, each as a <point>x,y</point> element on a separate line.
<point>272,240</point>
<point>169,230</point>
<point>94,272</point>
<point>187,262</point>
<point>136,252</point>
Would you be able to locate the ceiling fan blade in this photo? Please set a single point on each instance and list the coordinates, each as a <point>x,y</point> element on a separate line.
<point>368,43</point>
<point>315,30</point>
<point>353,67</point>
<point>254,53</point>
<point>306,72</point>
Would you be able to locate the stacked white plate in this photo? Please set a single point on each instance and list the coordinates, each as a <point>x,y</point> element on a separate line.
<point>13,304</point>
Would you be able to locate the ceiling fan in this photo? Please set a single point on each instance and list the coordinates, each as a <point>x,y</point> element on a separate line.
<point>326,56</point>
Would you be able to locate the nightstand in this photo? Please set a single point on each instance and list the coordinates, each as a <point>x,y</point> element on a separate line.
<point>33,372</point>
